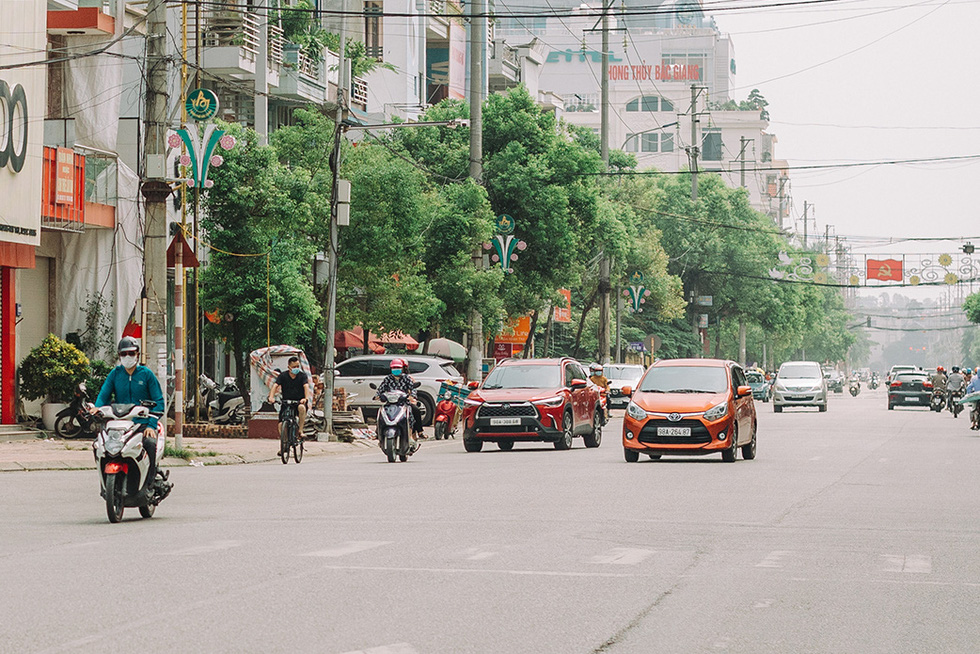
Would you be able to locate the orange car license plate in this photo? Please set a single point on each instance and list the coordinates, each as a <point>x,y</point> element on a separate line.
<point>673,431</point>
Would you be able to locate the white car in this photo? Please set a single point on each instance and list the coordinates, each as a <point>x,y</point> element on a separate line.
<point>355,374</point>
<point>799,383</point>
<point>620,375</point>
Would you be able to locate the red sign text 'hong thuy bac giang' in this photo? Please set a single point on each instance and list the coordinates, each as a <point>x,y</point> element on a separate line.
<point>675,72</point>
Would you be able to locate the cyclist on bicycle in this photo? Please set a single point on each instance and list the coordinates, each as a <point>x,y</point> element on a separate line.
<point>295,385</point>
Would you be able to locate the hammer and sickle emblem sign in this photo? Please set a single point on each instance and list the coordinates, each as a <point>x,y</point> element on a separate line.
<point>885,271</point>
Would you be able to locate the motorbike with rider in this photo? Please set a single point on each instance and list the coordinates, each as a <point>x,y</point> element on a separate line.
<point>955,384</point>
<point>597,377</point>
<point>398,379</point>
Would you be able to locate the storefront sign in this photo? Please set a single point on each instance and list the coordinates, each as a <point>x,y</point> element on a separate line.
<point>664,73</point>
<point>13,130</point>
<point>563,313</point>
<point>64,189</point>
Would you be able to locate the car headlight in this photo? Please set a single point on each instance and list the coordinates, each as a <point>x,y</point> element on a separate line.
<point>469,402</point>
<point>550,401</point>
<point>716,412</point>
<point>635,412</point>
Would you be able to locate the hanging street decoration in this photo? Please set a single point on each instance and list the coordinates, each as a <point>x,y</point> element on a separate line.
<point>201,105</point>
<point>876,270</point>
<point>636,292</point>
<point>505,244</point>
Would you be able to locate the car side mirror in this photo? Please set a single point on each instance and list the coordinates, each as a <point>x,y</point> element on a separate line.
<point>626,390</point>
<point>579,383</point>
<point>373,386</point>
<point>744,391</point>
<point>473,384</point>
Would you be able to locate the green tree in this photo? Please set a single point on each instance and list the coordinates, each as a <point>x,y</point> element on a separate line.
<point>256,221</point>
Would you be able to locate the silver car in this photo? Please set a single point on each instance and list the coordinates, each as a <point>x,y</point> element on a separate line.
<point>799,383</point>
<point>620,375</point>
<point>357,373</point>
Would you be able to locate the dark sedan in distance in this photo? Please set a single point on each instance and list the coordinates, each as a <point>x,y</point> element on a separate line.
<point>909,389</point>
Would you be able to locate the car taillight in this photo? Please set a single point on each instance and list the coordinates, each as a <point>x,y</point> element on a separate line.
<point>896,384</point>
<point>927,384</point>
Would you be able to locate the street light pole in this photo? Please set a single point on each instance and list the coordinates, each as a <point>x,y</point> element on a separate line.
<point>478,36</point>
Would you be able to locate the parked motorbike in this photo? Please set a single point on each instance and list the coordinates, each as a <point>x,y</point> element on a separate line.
<point>446,418</point>
<point>225,405</point>
<point>938,400</point>
<point>854,387</point>
<point>954,406</point>
<point>394,418</point>
<point>123,464</point>
<point>74,420</point>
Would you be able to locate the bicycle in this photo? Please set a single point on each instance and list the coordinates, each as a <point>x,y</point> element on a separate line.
<point>289,436</point>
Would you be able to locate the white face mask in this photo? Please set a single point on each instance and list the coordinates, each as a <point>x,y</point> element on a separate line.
<point>129,362</point>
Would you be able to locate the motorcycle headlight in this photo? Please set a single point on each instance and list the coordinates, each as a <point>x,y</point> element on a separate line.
<point>717,412</point>
<point>392,396</point>
<point>114,441</point>
<point>550,401</point>
<point>635,412</point>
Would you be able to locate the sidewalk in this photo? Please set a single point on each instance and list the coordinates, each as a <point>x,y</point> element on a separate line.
<point>52,453</point>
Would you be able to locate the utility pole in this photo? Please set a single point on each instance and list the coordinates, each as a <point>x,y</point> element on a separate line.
<point>333,248</point>
<point>155,192</point>
<point>478,36</point>
<point>741,155</point>
<point>806,207</point>
<point>695,149</point>
<point>604,284</point>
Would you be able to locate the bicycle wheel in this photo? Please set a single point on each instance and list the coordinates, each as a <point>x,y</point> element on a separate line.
<point>283,442</point>
<point>297,442</point>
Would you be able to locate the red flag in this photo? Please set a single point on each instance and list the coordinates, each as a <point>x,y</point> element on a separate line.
<point>213,317</point>
<point>133,327</point>
<point>885,270</point>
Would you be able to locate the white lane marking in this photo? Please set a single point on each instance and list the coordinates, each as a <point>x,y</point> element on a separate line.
<point>527,573</point>
<point>909,563</point>
<point>477,554</point>
<point>350,547</point>
<point>764,604</point>
<point>215,546</point>
<point>882,460</point>
<point>623,556</point>
<point>774,559</point>
<point>815,458</point>
<point>397,648</point>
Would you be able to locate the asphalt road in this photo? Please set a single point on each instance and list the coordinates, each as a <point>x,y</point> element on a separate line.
<point>855,530</point>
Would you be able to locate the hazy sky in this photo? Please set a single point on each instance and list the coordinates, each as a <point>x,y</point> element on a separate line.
<point>869,80</point>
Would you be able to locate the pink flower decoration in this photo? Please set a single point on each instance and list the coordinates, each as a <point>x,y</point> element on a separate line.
<point>487,246</point>
<point>208,183</point>
<point>513,257</point>
<point>495,258</point>
<point>190,183</point>
<point>185,160</point>
<point>217,160</point>
<point>227,142</point>
<point>646,293</point>
<point>173,140</point>
<point>521,245</point>
<point>626,293</point>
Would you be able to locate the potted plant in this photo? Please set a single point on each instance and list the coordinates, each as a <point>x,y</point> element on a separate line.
<point>52,370</point>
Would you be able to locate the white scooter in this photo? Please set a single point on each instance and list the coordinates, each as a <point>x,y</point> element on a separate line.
<point>225,405</point>
<point>394,425</point>
<point>124,465</point>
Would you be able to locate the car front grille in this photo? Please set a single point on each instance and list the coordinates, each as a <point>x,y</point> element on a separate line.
<point>507,410</point>
<point>699,433</point>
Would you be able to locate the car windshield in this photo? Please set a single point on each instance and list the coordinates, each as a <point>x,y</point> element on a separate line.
<point>798,371</point>
<point>755,377</point>
<point>523,376</point>
<point>629,373</point>
<point>685,379</point>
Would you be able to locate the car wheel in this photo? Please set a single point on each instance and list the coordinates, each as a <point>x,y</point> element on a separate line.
<point>506,446</point>
<point>891,407</point>
<point>631,456</point>
<point>427,409</point>
<point>823,408</point>
<point>748,451</point>
<point>565,443</point>
<point>472,444</point>
<point>594,437</point>
<point>777,409</point>
<point>729,455</point>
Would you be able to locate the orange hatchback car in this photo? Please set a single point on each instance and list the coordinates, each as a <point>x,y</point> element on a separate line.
<point>690,407</point>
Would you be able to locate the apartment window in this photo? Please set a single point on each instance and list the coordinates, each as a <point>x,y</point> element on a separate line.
<point>631,143</point>
<point>649,104</point>
<point>711,145</point>
<point>666,142</point>
<point>650,142</point>
<point>373,32</point>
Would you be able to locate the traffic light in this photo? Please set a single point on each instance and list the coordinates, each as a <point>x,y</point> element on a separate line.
<point>869,321</point>
<point>968,248</point>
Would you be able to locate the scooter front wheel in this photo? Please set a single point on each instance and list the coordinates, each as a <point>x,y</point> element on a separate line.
<point>114,485</point>
<point>440,430</point>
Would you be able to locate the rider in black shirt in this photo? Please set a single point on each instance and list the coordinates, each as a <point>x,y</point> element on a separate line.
<point>295,385</point>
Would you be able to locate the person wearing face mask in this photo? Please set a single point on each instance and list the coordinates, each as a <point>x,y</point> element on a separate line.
<point>399,380</point>
<point>295,385</point>
<point>131,383</point>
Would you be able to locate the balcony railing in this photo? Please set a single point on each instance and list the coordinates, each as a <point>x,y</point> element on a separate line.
<point>231,28</point>
<point>359,92</point>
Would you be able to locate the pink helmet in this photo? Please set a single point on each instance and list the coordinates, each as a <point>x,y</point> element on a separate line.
<point>398,363</point>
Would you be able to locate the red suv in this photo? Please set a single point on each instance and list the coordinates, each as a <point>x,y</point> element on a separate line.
<point>533,400</point>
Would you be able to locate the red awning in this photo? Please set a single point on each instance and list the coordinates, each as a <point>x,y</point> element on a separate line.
<point>398,338</point>
<point>354,338</point>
